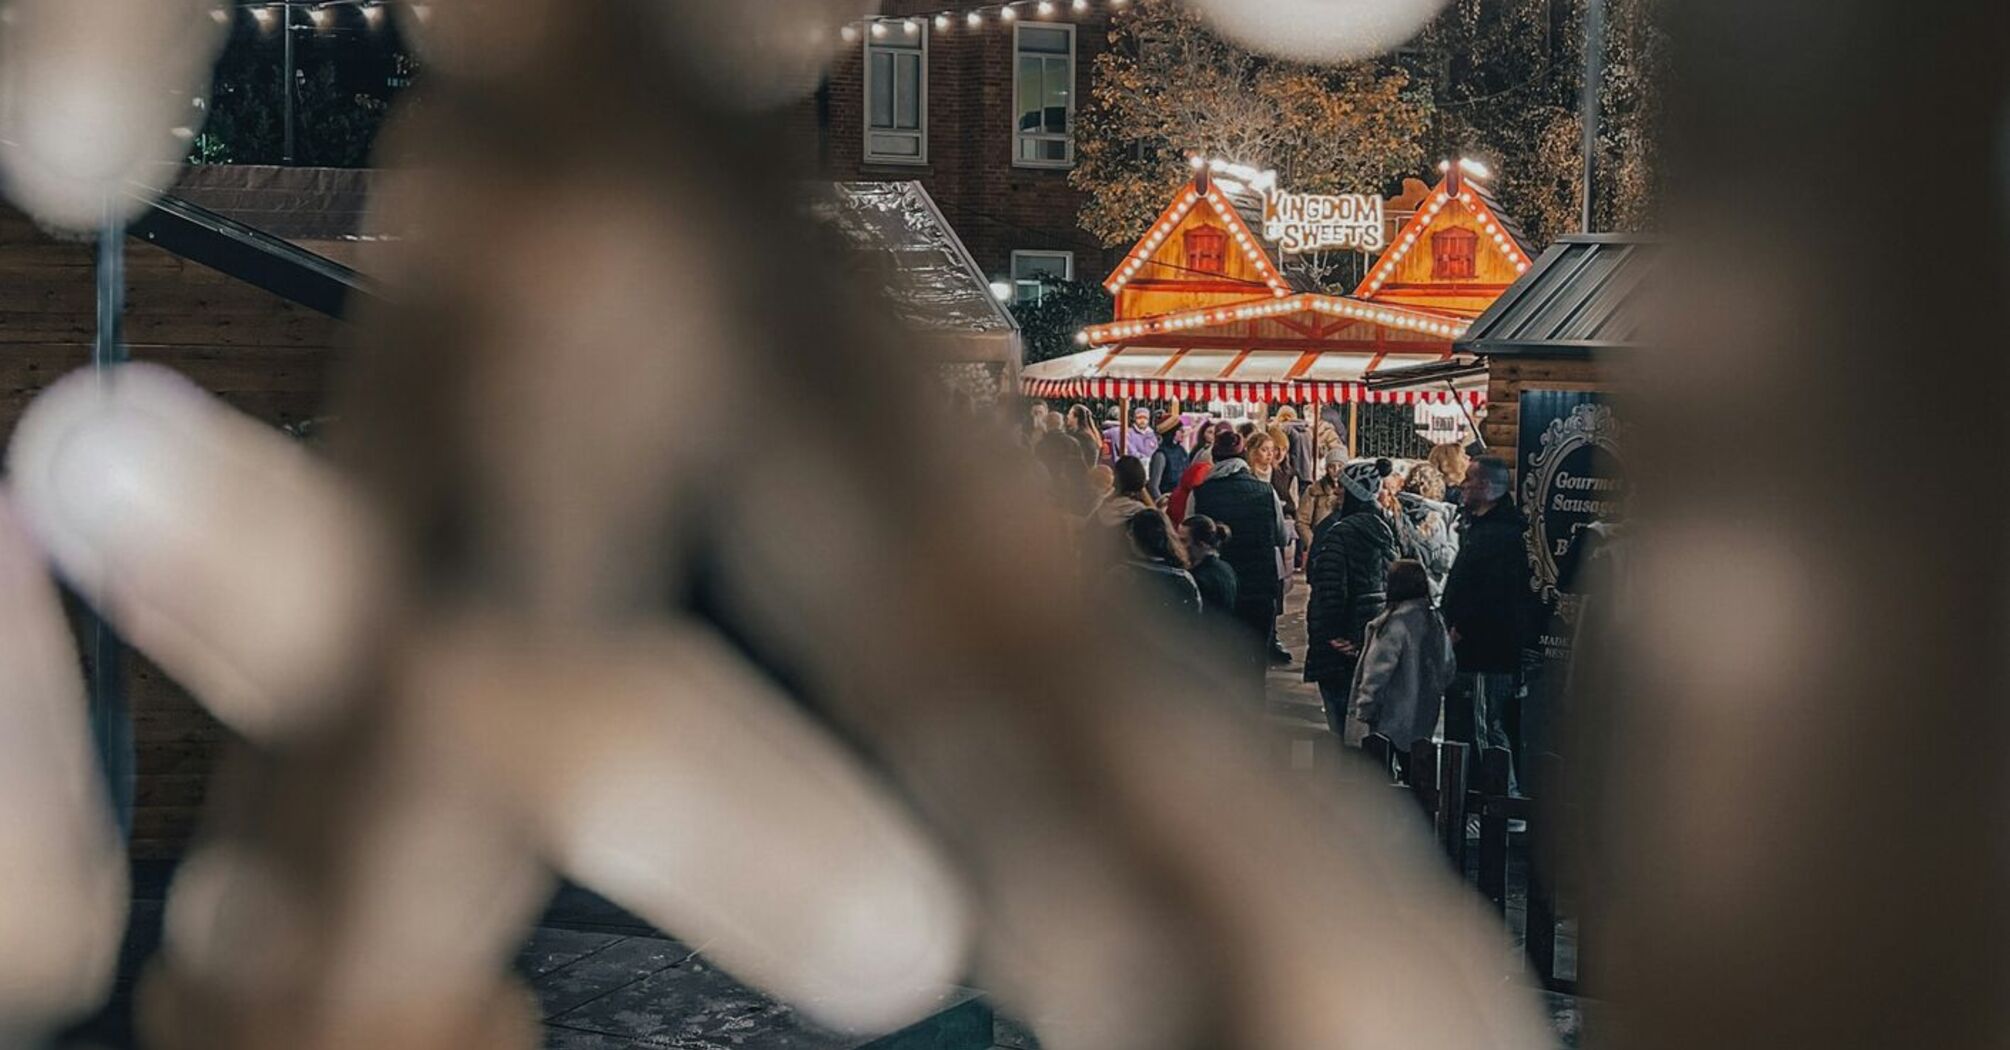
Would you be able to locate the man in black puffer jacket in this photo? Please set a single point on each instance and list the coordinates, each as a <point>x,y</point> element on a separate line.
<point>1349,574</point>
<point>1235,497</point>
<point>1492,612</point>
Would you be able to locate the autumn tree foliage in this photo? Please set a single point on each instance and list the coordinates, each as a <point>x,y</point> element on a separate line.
<point>1496,80</point>
<point>1169,88</point>
<point>1506,88</point>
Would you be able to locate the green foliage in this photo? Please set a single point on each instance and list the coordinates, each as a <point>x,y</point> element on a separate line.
<point>1048,326</point>
<point>335,123</point>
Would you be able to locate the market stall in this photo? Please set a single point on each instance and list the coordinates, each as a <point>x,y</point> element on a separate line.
<point>1204,312</point>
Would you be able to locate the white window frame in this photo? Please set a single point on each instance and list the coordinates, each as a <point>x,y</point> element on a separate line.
<point>865,112</point>
<point>1067,271</point>
<point>1074,78</point>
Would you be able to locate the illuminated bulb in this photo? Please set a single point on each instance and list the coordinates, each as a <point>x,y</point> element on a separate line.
<point>219,15</point>
<point>911,26</point>
<point>974,19</point>
<point>878,29</point>
<point>1006,13</point>
<point>1082,338</point>
<point>373,14</point>
<point>263,15</point>
<point>941,23</point>
<point>1081,5</point>
<point>319,16</point>
<point>849,33</point>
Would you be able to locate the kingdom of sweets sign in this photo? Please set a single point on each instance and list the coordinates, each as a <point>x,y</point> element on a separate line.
<point>1312,222</point>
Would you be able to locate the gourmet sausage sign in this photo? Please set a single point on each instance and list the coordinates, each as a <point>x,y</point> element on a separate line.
<point>1313,222</point>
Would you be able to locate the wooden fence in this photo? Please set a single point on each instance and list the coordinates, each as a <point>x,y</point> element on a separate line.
<point>1437,776</point>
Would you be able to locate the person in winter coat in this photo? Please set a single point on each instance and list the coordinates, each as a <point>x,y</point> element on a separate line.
<point>1127,496</point>
<point>1170,461</point>
<point>1490,609</point>
<point>1349,574</point>
<point>1081,425</point>
<point>1265,454</point>
<point>1451,460</point>
<point>1406,662</point>
<point>1425,524</point>
<point>1067,477</point>
<point>1156,568</point>
<point>1301,456</point>
<point>1321,499</point>
<point>1196,471</point>
<point>1284,476</point>
<point>1235,497</point>
<point>1138,439</point>
<point>1204,539</point>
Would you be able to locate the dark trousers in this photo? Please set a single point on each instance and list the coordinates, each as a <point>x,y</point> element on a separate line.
<point>1475,715</point>
<point>1258,621</point>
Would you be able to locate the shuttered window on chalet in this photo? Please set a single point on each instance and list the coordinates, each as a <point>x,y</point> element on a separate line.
<point>1205,246</point>
<point>1454,254</point>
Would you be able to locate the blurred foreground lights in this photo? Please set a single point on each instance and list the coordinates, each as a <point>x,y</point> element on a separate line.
<point>1001,290</point>
<point>1319,30</point>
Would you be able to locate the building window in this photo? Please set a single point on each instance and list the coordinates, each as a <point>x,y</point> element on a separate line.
<point>1033,273</point>
<point>1205,246</point>
<point>1453,254</point>
<point>1043,82</point>
<point>896,94</point>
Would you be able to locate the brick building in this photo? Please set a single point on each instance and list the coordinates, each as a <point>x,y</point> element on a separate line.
<point>981,110</point>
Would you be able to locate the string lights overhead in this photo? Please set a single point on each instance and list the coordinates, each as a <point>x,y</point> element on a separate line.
<point>886,27</point>
<point>320,13</point>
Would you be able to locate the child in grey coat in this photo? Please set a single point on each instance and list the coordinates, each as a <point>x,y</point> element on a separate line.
<point>1406,662</point>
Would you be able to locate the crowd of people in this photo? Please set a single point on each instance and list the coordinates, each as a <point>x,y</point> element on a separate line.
<point>1419,606</point>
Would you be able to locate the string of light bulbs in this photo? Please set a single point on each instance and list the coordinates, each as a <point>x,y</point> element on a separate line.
<point>320,13</point>
<point>911,25</point>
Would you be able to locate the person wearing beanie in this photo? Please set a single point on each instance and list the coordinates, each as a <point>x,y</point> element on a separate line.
<point>1349,572</point>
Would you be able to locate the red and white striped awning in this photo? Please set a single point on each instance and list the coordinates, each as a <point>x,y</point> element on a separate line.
<point>1142,373</point>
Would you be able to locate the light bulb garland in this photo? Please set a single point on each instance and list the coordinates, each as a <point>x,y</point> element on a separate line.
<point>320,13</point>
<point>945,21</point>
<point>1404,318</point>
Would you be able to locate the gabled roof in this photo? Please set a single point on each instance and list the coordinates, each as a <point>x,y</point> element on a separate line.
<point>1476,198</point>
<point>1200,190</point>
<point>1580,298</point>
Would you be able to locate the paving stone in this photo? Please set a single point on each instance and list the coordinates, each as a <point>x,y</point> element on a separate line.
<point>620,963</point>
<point>695,1006</point>
<point>549,949</point>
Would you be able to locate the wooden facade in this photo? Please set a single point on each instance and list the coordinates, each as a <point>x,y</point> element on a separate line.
<point>264,355</point>
<point>1507,377</point>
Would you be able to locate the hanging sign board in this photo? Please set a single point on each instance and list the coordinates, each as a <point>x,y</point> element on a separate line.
<point>1439,423</point>
<point>1314,222</point>
<point>1573,487</point>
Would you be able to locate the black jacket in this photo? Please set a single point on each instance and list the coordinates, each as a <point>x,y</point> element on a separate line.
<point>1487,599</point>
<point>1249,508</point>
<point>1349,574</point>
<point>1217,585</point>
<point>1165,587</point>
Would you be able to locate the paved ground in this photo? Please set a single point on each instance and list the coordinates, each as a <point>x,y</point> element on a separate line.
<point>609,982</point>
<point>606,982</point>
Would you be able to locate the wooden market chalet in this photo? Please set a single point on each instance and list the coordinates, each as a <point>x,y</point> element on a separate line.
<point>1204,313</point>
